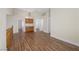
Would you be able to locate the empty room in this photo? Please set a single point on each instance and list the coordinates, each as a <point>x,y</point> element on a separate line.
<point>39,29</point>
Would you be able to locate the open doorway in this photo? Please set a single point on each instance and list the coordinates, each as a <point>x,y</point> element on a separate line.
<point>19,25</point>
<point>38,25</point>
<point>43,23</point>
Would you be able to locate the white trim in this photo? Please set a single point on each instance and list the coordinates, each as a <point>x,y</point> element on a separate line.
<point>73,43</point>
<point>3,49</point>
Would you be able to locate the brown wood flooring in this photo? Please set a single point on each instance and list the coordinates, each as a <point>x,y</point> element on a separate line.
<point>39,41</point>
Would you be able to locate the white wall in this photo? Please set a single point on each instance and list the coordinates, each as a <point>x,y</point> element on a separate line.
<point>46,23</point>
<point>65,24</point>
<point>9,11</point>
<point>9,21</point>
<point>3,26</point>
<point>2,29</point>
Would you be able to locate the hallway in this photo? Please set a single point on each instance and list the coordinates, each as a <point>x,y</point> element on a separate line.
<point>61,23</point>
<point>39,41</point>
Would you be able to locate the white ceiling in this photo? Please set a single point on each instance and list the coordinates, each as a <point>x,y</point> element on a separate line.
<point>34,10</point>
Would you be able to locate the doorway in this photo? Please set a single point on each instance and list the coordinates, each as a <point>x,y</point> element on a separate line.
<point>38,25</point>
<point>20,25</point>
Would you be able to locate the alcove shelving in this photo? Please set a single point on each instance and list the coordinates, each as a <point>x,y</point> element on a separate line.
<point>29,25</point>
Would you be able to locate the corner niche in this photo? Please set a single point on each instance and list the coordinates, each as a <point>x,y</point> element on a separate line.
<point>29,25</point>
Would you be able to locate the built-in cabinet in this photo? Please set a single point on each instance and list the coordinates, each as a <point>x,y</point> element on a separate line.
<point>29,21</point>
<point>9,36</point>
<point>29,25</point>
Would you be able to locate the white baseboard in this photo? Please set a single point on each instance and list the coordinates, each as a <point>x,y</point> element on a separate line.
<point>71,42</point>
<point>3,49</point>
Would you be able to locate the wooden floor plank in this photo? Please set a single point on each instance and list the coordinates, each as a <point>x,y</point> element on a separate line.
<point>39,41</point>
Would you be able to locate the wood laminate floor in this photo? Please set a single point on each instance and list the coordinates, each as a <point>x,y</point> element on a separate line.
<point>39,41</point>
